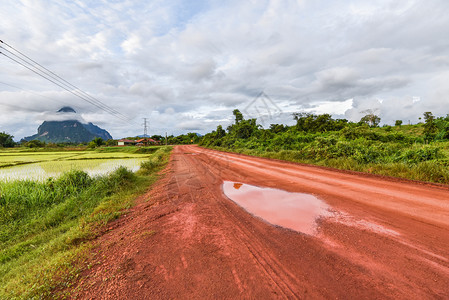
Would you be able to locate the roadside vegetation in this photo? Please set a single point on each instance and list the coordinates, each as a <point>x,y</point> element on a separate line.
<point>6,141</point>
<point>46,227</point>
<point>418,152</point>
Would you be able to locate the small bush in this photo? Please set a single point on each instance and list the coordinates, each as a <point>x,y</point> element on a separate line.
<point>419,155</point>
<point>122,175</point>
<point>74,178</point>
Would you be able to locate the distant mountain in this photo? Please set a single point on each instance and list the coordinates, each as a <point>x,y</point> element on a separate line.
<point>68,131</point>
<point>97,131</point>
<point>67,109</point>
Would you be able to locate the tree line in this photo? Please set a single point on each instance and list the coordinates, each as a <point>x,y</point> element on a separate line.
<point>418,152</point>
<point>434,128</point>
<point>6,141</point>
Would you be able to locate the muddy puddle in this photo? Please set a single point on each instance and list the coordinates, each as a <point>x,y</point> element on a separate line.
<point>296,211</point>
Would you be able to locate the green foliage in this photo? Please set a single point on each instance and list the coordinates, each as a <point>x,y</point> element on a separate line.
<point>442,124</point>
<point>96,142</point>
<point>419,155</point>
<point>155,162</point>
<point>157,137</point>
<point>317,123</point>
<point>184,139</point>
<point>398,123</point>
<point>243,129</point>
<point>371,120</point>
<point>238,116</point>
<point>111,142</point>
<point>278,128</point>
<point>220,133</point>
<point>35,144</point>
<point>6,140</point>
<point>319,139</point>
<point>430,127</point>
<point>74,178</point>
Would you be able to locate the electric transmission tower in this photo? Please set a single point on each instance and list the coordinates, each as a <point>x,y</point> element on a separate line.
<point>145,127</point>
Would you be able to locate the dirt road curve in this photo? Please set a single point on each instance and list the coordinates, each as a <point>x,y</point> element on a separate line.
<point>383,239</point>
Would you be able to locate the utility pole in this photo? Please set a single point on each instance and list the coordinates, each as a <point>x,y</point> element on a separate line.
<point>145,127</point>
<point>166,139</point>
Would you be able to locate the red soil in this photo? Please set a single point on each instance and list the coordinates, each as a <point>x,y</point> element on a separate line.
<point>383,239</point>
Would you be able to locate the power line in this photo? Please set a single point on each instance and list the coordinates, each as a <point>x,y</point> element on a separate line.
<point>59,78</point>
<point>45,73</point>
<point>44,70</point>
<point>75,93</point>
<point>61,84</point>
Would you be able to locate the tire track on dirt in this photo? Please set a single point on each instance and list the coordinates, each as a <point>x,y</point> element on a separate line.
<point>241,236</point>
<point>285,282</point>
<point>190,241</point>
<point>431,200</point>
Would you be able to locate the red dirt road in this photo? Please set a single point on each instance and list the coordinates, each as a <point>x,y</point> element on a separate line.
<point>382,239</point>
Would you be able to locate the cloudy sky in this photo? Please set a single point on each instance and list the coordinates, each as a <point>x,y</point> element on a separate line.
<point>185,65</point>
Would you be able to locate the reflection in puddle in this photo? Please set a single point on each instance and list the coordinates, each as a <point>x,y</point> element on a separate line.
<point>296,211</point>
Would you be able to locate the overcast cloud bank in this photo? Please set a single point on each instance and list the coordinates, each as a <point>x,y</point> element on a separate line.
<point>187,66</point>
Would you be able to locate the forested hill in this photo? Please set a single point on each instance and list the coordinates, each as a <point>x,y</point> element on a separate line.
<point>68,131</point>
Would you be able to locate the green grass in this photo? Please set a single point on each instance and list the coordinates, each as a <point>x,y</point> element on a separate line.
<point>432,170</point>
<point>407,151</point>
<point>46,227</point>
<point>128,149</point>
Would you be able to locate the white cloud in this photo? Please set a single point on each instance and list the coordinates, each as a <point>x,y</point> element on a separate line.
<point>195,63</point>
<point>331,107</point>
<point>132,44</point>
<point>191,125</point>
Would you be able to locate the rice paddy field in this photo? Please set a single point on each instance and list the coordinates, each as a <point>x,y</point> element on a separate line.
<point>18,165</point>
<point>53,203</point>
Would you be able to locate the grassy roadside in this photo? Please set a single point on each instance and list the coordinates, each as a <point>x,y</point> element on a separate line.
<point>418,152</point>
<point>45,227</point>
<point>431,171</point>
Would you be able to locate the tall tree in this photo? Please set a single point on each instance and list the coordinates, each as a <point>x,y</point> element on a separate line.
<point>430,127</point>
<point>308,122</point>
<point>238,116</point>
<point>220,132</point>
<point>371,119</point>
<point>6,140</point>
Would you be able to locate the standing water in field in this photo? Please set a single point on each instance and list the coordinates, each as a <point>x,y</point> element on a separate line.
<point>295,211</point>
<point>44,170</point>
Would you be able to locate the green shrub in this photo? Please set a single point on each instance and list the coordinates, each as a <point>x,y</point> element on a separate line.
<point>431,171</point>
<point>419,155</point>
<point>74,178</point>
